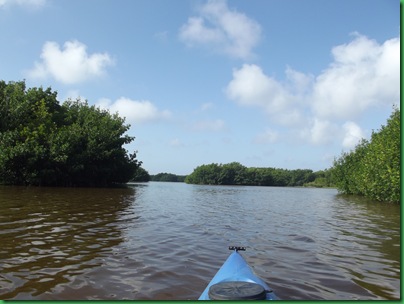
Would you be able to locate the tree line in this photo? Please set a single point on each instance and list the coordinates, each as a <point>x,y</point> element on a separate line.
<point>236,174</point>
<point>168,177</point>
<point>45,143</point>
<point>143,176</point>
<point>372,169</point>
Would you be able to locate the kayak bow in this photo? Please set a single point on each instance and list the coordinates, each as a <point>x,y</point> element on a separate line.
<point>235,280</point>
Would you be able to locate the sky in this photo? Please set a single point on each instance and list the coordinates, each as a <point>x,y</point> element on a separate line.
<point>267,83</point>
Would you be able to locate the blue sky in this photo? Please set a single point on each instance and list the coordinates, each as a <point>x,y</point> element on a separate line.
<point>267,83</point>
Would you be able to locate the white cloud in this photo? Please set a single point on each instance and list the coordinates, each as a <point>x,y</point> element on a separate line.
<point>323,132</point>
<point>23,3</point>
<point>136,112</point>
<point>209,125</point>
<point>222,29</point>
<point>300,83</point>
<point>251,87</point>
<point>363,75</point>
<point>353,134</point>
<point>71,64</point>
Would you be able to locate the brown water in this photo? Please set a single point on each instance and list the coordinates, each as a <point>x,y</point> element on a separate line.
<point>165,241</point>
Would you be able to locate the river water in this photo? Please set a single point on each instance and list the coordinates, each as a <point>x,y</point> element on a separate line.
<point>165,241</point>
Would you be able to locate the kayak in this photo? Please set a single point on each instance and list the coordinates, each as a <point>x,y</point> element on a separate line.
<point>235,280</point>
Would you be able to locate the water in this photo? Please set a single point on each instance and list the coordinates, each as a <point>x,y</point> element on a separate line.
<point>165,241</point>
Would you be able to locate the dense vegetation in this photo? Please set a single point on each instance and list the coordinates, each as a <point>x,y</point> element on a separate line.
<point>168,177</point>
<point>43,142</point>
<point>372,169</point>
<point>141,175</point>
<point>323,178</point>
<point>236,174</point>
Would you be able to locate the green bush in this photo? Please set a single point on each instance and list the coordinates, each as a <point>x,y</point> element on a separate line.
<point>372,169</point>
<point>73,144</point>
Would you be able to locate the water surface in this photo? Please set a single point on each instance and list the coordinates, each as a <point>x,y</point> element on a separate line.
<point>165,241</point>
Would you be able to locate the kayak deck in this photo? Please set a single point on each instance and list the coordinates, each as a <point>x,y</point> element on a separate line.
<point>235,280</point>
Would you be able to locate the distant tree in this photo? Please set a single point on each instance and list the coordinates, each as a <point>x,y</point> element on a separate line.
<point>168,177</point>
<point>141,175</point>
<point>260,177</point>
<point>236,174</point>
<point>205,174</point>
<point>232,174</point>
<point>299,177</point>
<point>181,178</point>
<point>322,178</point>
<point>280,177</point>
<point>164,177</point>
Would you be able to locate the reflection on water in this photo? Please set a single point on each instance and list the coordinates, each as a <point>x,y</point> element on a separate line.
<point>165,241</point>
<point>366,244</point>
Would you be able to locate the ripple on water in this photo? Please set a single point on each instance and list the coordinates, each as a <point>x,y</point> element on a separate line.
<point>165,241</point>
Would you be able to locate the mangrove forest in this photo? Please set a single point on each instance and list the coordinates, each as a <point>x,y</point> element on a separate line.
<point>45,143</point>
<point>236,174</point>
<point>372,169</point>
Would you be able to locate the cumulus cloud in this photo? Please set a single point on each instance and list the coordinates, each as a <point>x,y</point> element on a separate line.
<point>322,132</point>
<point>251,87</point>
<point>362,75</point>
<point>222,29</point>
<point>136,112</point>
<point>353,134</point>
<point>23,3</point>
<point>71,64</point>
<point>298,82</point>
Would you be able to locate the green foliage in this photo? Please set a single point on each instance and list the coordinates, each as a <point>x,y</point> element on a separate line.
<point>236,174</point>
<point>205,174</point>
<point>232,174</point>
<point>322,178</point>
<point>141,175</point>
<point>167,177</point>
<point>45,143</point>
<point>181,178</point>
<point>372,169</point>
